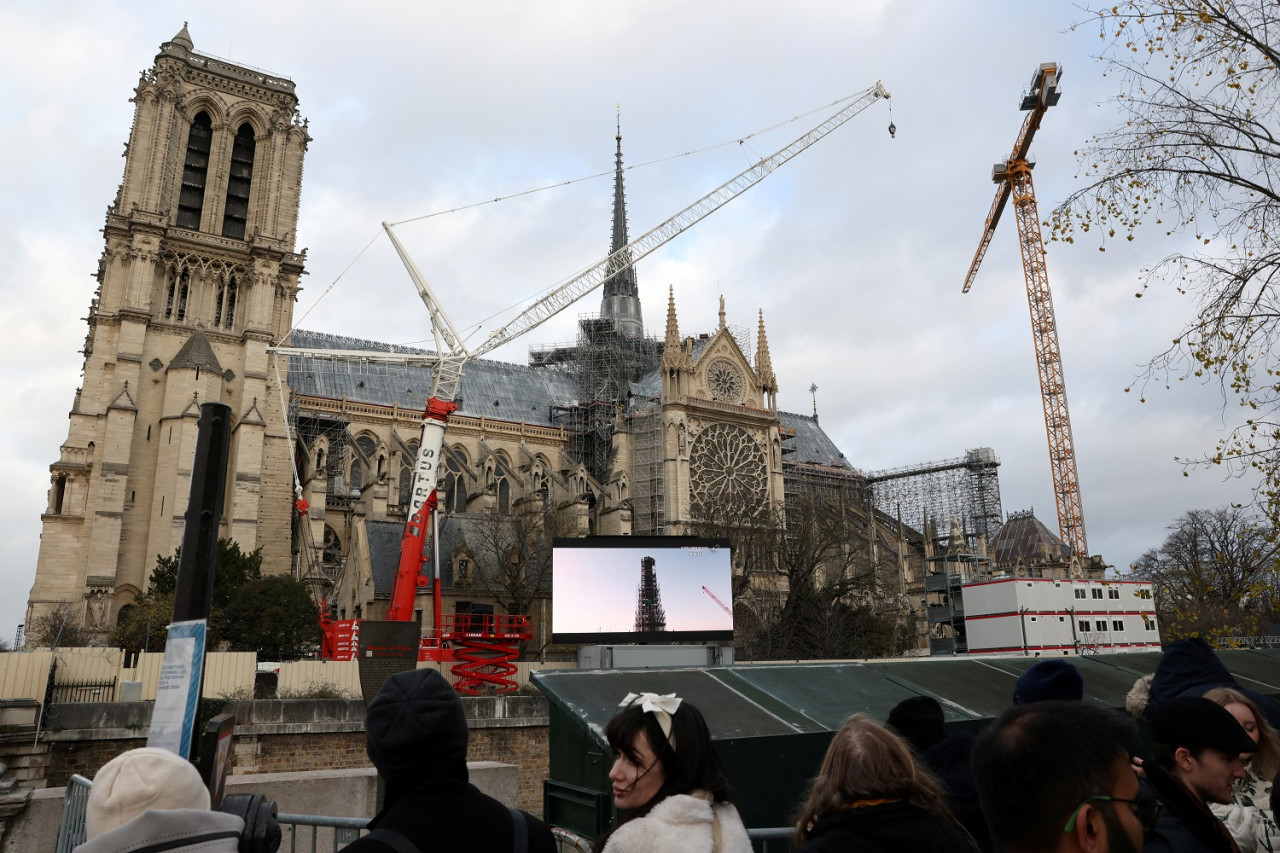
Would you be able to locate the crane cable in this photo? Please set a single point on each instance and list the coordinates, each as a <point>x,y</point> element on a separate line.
<point>740,141</point>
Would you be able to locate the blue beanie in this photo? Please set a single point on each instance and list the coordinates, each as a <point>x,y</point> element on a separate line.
<point>1049,679</point>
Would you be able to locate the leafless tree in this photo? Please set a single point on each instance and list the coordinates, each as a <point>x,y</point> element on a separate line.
<point>513,551</point>
<point>806,585</point>
<point>62,626</point>
<point>1197,154</point>
<point>1215,575</point>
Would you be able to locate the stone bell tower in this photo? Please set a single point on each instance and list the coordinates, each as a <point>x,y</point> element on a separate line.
<point>197,278</point>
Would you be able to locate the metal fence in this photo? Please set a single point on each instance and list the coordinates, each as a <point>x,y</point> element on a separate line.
<point>324,834</point>
<point>84,691</point>
<point>321,834</point>
<point>71,831</point>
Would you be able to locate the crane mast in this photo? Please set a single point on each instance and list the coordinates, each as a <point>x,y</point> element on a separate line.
<point>1013,179</point>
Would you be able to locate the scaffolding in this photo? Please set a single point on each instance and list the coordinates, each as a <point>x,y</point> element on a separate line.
<point>323,575</point>
<point>932,493</point>
<point>603,363</point>
<point>649,613</point>
<point>648,511</point>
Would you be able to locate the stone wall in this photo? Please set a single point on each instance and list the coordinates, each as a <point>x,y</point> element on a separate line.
<point>299,735</point>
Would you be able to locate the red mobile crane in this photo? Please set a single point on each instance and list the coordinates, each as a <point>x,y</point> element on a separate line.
<point>487,643</point>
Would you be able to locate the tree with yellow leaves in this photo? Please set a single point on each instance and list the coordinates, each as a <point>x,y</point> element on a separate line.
<point>1198,153</point>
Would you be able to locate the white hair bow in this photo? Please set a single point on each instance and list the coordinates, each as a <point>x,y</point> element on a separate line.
<point>662,707</point>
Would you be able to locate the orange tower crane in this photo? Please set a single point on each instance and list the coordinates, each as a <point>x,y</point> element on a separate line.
<point>1013,179</point>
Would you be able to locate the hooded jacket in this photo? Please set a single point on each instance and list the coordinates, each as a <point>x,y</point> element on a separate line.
<point>171,830</point>
<point>1189,667</point>
<point>416,736</point>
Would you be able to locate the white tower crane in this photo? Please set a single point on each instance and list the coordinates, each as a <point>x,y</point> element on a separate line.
<point>452,354</point>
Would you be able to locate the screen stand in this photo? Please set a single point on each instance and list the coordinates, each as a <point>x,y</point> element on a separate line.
<point>653,657</point>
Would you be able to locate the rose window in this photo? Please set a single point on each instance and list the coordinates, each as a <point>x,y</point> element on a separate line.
<point>724,380</point>
<point>727,470</point>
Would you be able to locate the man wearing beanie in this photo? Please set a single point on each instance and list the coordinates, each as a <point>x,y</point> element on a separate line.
<point>416,735</point>
<point>1196,757</point>
<point>152,799</point>
<point>1049,680</point>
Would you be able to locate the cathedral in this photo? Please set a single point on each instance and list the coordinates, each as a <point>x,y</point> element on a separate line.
<point>621,433</point>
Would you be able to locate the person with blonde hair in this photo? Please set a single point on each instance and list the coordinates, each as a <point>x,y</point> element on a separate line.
<point>871,794</point>
<point>1249,816</point>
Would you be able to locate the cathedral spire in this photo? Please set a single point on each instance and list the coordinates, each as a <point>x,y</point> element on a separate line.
<point>673,355</point>
<point>621,302</point>
<point>764,367</point>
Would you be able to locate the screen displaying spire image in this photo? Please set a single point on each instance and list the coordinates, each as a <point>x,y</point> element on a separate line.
<point>649,615</point>
<point>595,596</point>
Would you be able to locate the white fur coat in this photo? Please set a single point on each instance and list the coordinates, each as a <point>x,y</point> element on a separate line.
<point>681,823</point>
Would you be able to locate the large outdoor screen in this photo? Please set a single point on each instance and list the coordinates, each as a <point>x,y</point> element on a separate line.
<point>641,589</point>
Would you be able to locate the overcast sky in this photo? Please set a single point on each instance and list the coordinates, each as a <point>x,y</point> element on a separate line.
<point>855,251</point>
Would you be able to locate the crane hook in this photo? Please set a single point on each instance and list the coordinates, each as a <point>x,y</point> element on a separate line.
<point>893,129</point>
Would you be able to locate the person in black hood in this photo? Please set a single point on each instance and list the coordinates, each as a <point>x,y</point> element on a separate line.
<point>416,736</point>
<point>920,721</point>
<point>1189,667</point>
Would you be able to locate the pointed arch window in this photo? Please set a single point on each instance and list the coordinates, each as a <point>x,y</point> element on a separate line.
<point>409,461</point>
<point>59,493</point>
<point>404,490</point>
<point>179,290</point>
<point>454,486</point>
<point>224,315</point>
<point>504,496</point>
<point>195,171</point>
<point>236,214</point>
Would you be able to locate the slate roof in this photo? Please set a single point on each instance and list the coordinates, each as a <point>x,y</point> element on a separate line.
<point>384,553</point>
<point>196,353</point>
<point>810,445</point>
<point>509,392</point>
<point>521,393</point>
<point>1023,536</point>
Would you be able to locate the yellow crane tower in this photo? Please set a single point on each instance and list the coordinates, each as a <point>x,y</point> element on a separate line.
<point>1013,179</point>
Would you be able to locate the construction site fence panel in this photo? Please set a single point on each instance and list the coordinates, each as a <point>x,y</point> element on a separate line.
<point>228,675</point>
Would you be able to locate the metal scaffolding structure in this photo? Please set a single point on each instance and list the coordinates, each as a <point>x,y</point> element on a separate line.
<point>603,363</point>
<point>932,493</point>
<point>648,513</point>
<point>649,613</point>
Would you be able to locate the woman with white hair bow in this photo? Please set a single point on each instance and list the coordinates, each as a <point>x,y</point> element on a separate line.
<point>668,782</point>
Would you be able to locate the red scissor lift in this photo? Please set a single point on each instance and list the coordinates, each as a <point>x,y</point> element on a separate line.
<point>486,645</point>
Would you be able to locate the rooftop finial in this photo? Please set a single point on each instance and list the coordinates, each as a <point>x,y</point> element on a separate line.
<point>183,38</point>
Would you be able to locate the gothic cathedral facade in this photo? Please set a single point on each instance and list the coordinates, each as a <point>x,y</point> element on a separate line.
<point>619,434</point>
